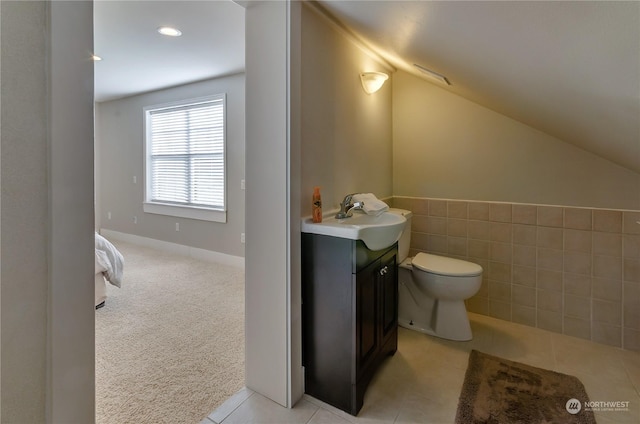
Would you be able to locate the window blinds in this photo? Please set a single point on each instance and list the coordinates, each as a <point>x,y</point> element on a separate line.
<point>187,154</point>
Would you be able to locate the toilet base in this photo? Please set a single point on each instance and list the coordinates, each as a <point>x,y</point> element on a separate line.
<point>440,318</point>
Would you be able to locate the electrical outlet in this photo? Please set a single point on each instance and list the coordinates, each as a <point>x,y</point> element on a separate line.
<point>241,237</point>
<point>177,226</point>
<point>242,185</point>
<point>135,219</point>
<point>135,179</point>
<point>108,215</point>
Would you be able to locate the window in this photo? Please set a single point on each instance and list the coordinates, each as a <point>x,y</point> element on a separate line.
<point>185,159</point>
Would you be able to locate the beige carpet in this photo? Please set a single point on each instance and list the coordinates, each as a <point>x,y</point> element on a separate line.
<point>499,391</point>
<point>170,342</point>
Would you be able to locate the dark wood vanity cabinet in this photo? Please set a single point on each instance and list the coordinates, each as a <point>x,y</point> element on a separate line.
<point>349,316</point>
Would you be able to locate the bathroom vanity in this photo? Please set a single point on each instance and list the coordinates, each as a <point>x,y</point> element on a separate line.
<point>349,316</point>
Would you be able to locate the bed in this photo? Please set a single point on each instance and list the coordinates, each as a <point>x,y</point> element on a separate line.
<point>109,268</point>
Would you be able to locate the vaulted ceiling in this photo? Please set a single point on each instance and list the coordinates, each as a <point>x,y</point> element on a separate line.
<point>568,68</point>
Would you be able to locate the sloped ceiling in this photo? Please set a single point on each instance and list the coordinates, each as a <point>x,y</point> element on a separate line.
<point>567,68</point>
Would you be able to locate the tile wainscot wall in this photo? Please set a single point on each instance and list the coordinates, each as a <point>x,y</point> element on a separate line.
<point>574,271</point>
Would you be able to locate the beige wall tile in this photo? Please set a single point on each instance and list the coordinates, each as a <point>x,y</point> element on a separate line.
<point>549,320</point>
<point>479,249</point>
<point>501,310</point>
<point>419,241</point>
<point>607,312</point>
<point>550,216</point>
<point>607,221</point>
<point>577,307</point>
<point>457,209</point>
<point>550,259</point>
<point>436,244</point>
<point>499,272</point>
<point>420,223</point>
<point>437,207</point>
<point>420,206</point>
<point>479,211</point>
<point>501,232</point>
<point>501,252</point>
<point>457,246</point>
<point>524,255</point>
<point>606,334</point>
<point>542,265</point>
<point>609,244</point>
<point>500,212</point>
<point>523,295</point>
<point>577,263</point>
<point>577,241</point>
<point>549,280</point>
<point>631,246</point>
<point>631,306</point>
<point>525,234</point>
<point>436,225</point>
<point>630,222</point>
<point>551,238</point>
<point>499,291</point>
<point>577,328</point>
<point>631,270</point>
<point>577,218</point>
<point>457,227</point>
<point>549,300</point>
<point>480,230</point>
<point>606,289</point>
<point>524,275</point>
<point>576,284</point>
<point>524,214</point>
<point>523,315</point>
<point>607,267</point>
<point>631,339</point>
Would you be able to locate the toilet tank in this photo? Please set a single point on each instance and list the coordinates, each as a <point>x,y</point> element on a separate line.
<point>405,239</point>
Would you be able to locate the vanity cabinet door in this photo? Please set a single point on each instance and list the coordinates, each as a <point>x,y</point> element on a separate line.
<point>366,316</point>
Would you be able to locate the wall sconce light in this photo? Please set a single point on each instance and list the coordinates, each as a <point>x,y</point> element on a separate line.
<point>372,81</point>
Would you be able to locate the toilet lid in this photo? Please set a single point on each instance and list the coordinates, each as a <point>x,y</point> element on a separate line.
<point>445,266</point>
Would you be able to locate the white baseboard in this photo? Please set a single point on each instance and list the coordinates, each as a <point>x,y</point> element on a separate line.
<point>179,249</point>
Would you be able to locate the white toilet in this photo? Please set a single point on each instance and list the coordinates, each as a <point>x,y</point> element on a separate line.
<point>432,290</point>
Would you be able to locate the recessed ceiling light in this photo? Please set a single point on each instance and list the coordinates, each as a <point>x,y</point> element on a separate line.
<point>433,75</point>
<point>95,58</point>
<point>171,32</point>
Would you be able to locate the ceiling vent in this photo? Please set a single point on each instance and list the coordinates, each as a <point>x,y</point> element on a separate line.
<point>433,75</point>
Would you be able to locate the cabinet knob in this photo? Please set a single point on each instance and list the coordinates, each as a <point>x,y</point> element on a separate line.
<point>384,270</point>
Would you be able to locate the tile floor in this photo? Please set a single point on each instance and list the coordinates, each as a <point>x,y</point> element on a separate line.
<point>422,381</point>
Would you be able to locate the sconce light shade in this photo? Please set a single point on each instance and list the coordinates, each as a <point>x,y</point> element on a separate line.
<point>372,81</point>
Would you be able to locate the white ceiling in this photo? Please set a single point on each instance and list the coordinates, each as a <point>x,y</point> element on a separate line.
<point>568,68</point>
<point>137,59</point>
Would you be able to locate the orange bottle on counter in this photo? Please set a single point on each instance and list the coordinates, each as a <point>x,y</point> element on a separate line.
<point>316,205</point>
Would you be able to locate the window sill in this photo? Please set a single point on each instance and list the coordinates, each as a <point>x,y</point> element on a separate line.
<point>186,212</point>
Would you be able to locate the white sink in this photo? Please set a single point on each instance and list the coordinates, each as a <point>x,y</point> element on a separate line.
<point>377,232</point>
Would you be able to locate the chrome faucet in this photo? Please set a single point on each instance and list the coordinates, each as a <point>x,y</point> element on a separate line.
<point>347,206</point>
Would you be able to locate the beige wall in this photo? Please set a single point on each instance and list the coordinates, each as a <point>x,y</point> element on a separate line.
<point>346,133</point>
<point>447,147</point>
<point>119,146</point>
<point>47,349</point>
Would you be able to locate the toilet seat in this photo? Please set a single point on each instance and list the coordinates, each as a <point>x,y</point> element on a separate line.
<point>442,265</point>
